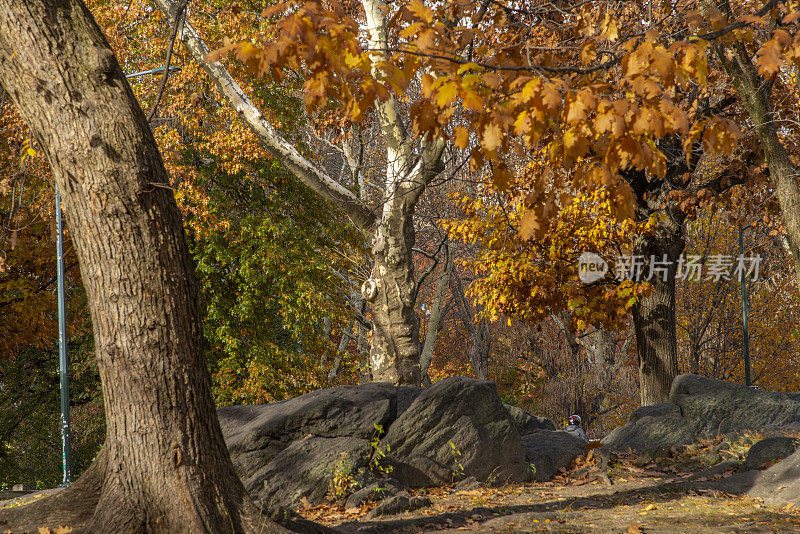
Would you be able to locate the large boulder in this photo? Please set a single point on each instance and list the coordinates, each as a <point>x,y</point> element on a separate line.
<point>769,450</point>
<point>525,423</point>
<point>283,451</point>
<point>456,428</point>
<point>548,451</point>
<point>651,430</point>
<point>780,484</point>
<point>713,407</point>
<point>701,408</point>
<point>305,469</point>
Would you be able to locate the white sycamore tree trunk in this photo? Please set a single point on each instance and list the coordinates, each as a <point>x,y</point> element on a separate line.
<point>391,288</point>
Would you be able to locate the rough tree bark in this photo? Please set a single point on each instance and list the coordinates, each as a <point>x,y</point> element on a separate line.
<point>391,288</point>
<point>755,93</point>
<point>654,313</point>
<point>164,466</point>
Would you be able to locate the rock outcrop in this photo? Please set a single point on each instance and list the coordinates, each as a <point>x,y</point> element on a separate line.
<point>770,450</point>
<point>381,438</point>
<point>454,429</point>
<point>701,408</point>
<point>550,450</point>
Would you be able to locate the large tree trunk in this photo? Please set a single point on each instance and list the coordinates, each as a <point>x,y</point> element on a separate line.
<point>755,94</point>
<point>480,349</point>
<point>654,313</point>
<point>164,466</point>
<point>394,356</point>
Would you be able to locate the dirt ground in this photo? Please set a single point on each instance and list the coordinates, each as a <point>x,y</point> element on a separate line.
<point>644,505</point>
<point>663,497</point>
<point>672,495</point>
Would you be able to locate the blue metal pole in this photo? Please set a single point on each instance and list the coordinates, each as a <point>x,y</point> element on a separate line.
<point>745,306</point>
<point>66,445</point>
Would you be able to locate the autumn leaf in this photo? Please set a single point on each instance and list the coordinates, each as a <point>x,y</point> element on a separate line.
<point>492,137</point>
<point>461,137</point>
<point>472,100</point>
<point>446,93</point>
<point>609,28</point>
<point>792,17</point>
<point>695,20</point>
<point>502,178</point>
<point>769,59</point>
<point>420,10</point>
<point>530,225</point>
<point>551,98</point>
<point>588,53</point>
<point>576,112</point>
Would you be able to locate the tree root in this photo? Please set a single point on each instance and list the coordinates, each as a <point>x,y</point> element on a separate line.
<point>81,508</point>
<point>72,507</point>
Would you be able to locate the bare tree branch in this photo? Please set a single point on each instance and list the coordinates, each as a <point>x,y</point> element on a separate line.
<point>308,173</point>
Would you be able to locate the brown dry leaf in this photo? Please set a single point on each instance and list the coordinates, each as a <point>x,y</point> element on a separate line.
<point>492,137</point>
<point>769,58</point>
<point>650,507</point>
<point>634,529</point>
<point>461,137</point>
<point>789,506</point>
<point>588,53</point>
<point>305,503</point>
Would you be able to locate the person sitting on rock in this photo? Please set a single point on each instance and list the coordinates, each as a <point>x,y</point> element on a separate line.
<point>574,427</point>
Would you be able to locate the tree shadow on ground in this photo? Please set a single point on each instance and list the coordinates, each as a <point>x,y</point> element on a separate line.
<point>736,484</point>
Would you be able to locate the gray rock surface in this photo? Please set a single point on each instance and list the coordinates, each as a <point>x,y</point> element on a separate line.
<point>293,445</point>
<point>713,407</point>
<point>398,504</point>
<point>304,469</point>
<point>769,449</point>
<point>651,430</point>
<point>780,484</point>
<point>256,434</point>
<point>456,428</point>
<point>377,491</point>
<point>549,450</point>
<point>702,408</point>
<point>525,422</point>
<point>288,450</point>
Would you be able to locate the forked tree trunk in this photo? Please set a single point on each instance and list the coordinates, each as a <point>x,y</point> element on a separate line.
<point>164,466</point>
<point>394,356</point>
<point>654,313</point>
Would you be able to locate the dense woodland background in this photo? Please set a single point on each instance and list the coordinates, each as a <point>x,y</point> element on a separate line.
<point>280,271</point>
